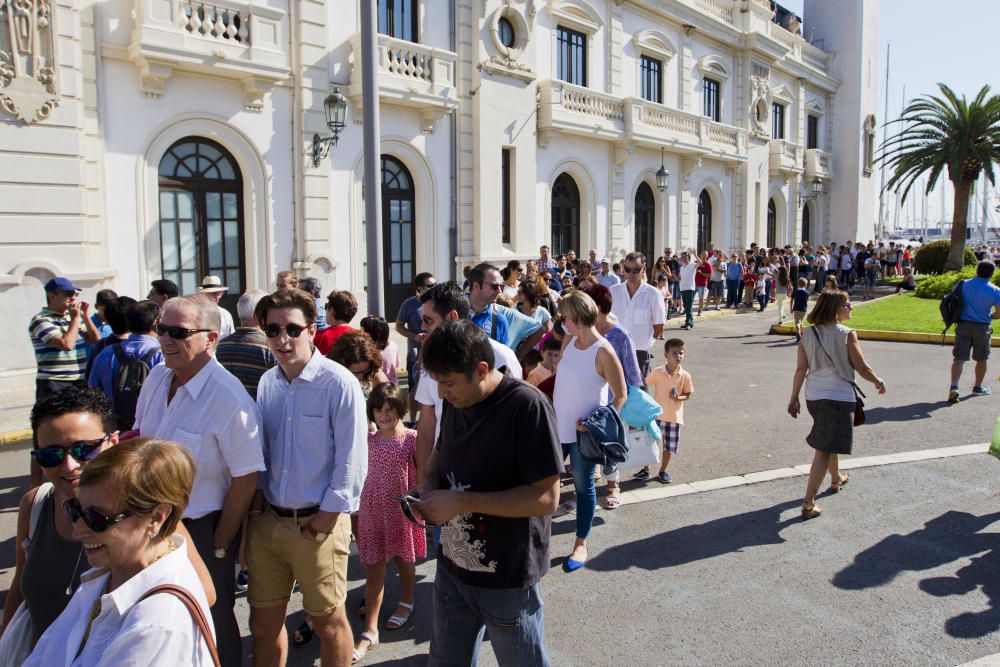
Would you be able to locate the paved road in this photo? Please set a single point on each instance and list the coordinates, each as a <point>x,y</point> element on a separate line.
<point>726,575</point>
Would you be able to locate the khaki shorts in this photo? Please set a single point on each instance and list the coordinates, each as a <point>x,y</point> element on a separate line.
<point>798,315</point>
<point>278,556</point>
<point>972,337</point>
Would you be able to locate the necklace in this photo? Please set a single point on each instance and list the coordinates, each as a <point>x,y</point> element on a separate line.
<point>69,585</point>
<point>170,548</point>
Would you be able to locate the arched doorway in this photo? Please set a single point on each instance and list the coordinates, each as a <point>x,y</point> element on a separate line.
<point>201,217</point>
<point>645,216</point>
<point>399,234</point>
<point>772,223</point>
<point>565,215</point>
<point>704,221</point>
<point>806,222</point>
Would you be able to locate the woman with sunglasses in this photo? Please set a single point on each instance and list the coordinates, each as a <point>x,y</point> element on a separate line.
<point>829,354</point>
<point>70,429</point>
<point>356,352</point>
<point>128,505</point>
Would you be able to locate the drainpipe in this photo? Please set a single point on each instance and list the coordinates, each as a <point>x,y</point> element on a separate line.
<point>299,264</point>
<point>453,123</point>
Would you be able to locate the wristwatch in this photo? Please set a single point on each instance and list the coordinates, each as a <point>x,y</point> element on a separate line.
<point>316,535</point>
<point>219,553</point>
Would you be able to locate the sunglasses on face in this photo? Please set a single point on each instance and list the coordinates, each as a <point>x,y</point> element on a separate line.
<point>293,330</point>
<point>82,451</point>
<point>635,270</point>
<point>178,333</point>
<point>404,504</point>
<point>96,521</point>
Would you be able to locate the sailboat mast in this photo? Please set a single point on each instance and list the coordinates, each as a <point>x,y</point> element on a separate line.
<point>882,215</point>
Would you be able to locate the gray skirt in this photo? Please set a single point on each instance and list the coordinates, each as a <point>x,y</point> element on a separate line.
<point>833,426</point>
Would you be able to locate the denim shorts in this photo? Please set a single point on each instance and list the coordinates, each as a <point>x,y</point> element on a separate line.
<point>700,290</point>
<point>715,288</point>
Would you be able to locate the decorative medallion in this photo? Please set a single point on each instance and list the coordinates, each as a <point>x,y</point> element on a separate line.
<point>27,60</point>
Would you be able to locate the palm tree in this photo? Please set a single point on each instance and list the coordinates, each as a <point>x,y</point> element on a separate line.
<point>946,132</point>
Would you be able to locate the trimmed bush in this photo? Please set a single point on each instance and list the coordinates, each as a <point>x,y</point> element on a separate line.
<point>935,287</point>
<point>931,258</point>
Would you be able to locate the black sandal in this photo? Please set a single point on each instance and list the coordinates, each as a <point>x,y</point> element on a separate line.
<point>303,635</point>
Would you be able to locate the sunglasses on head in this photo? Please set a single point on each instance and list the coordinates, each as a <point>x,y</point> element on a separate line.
<point>293,330</point>
<point>96,521</point>
<point>178,333</point>
<point>82,451</point>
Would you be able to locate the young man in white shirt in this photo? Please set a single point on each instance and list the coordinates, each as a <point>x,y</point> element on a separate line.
<point>316,441</point>
<point>639,308</point>
<point>192,400</point>
<point>688,271</point>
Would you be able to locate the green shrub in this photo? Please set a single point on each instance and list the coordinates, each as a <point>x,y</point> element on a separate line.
<point>935,287</point>
<point>931,258</point>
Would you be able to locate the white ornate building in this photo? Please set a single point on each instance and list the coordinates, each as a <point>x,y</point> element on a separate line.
<point>149,138</point>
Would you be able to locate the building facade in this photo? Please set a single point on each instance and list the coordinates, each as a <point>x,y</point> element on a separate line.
<point>149,138</point>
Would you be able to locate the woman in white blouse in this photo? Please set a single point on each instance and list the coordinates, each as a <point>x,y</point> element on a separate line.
<point>129,502</point>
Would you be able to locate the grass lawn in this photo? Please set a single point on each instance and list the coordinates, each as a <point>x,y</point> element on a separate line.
<point>901,313</point>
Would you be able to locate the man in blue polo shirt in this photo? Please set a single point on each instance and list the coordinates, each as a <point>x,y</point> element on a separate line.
<point>485,284</point>
<point>980,306</point>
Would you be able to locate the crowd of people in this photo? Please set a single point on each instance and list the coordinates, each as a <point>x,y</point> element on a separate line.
<point>185,458</point>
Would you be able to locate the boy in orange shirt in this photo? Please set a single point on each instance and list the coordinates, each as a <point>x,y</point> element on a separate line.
<point>671,386</point>
<point>551,352</point>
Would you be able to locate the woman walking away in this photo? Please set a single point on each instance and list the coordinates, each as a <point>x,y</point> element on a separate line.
<point>829,355</point>
<point>587,369</point>
<point>384,534</point>
<point>783,287</point>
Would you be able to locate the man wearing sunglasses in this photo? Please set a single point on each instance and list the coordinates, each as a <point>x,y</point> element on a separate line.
<point>491,484</point>
<point>409,326</point>
<point>316,438</point>
<point>522,332</point>
<point>192,400</point>
<point>639,308</point>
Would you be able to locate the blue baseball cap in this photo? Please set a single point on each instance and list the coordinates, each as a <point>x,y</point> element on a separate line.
<point>61,284</point>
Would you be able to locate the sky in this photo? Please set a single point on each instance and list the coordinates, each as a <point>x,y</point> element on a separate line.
<point>954,42</point>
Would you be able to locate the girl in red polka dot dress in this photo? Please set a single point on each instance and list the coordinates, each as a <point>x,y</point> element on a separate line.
<point>384,534</point>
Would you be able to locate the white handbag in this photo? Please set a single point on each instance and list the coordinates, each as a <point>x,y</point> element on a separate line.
<point>643,450</point>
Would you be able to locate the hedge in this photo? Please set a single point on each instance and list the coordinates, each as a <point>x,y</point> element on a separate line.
<point>935,287</point>
<point>931,258</point>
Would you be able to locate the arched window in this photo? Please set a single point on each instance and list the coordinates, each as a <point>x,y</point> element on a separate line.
<point>806,215</point>
<point>565,215</point>
<point>201,217</point>
<point>772,223</point>
<point>704,221</point>
<point>645,216</point>
<point>399,234</point>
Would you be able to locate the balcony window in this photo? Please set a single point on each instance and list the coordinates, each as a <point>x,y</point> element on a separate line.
<point>651,79</point>
<point>398,18</point>
<point>777,121</point>
<point>571,56</point>
<point>812,131</point>
<point>710,99</point>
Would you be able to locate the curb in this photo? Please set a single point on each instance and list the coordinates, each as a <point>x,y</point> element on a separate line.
<point>889,336</point>
<point>12,437</point>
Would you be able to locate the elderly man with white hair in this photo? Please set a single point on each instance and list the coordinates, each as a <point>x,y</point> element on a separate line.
<point>192,400</point>
<point>212,287</point>
<point>245,353</point>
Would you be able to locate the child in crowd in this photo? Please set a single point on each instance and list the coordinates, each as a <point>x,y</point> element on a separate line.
<point>551,353</point>
<point>530,362</point>
<point>384,534</point>
<point>378,330</point>
<point>871,275</point>
<point>671,386</point>
<point>800,304</point>
<point>760,291</point>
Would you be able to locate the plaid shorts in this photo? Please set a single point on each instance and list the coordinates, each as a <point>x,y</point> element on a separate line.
<point>671,436</point>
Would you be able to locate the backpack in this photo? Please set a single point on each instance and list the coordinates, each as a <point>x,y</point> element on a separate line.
<point>951,306</point>
<point>131,373</point>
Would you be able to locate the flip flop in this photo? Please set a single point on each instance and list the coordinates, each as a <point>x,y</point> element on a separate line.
<point>396,622</point>
<point>303,635</point>
<point>359,653</point>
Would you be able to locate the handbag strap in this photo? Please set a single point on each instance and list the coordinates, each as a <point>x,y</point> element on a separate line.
<point>194,609</point>
<point>819,341</point>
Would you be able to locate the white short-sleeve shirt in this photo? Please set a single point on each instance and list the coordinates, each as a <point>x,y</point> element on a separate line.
<point>638,313</point>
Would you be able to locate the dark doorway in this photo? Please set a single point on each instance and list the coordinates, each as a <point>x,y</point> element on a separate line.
<point>565,215</point>
<point>704,221</point>
<point>806,222</point>
<point>399,234</point>
<point>645,216</point>
<point>772,223</point>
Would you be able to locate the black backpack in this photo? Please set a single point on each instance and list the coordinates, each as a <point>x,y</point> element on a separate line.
<point>951,306</point>
<point>131,373</point>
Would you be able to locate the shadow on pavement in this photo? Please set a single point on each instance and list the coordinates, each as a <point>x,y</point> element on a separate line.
<point>942,540</point>
<point>903,413</point>
<point>699,541</point>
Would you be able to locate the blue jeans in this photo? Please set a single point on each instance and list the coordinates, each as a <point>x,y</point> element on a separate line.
<point>820,277</point>
<point>462,613</point>
<point>586,490</point>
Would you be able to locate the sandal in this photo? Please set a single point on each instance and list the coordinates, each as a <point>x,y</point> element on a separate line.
<point>359,653</point>
<point>834,488</point>
<point>811,511</point>
<point>395,621</point>
<point>303,635</point>
<point>613,499</point>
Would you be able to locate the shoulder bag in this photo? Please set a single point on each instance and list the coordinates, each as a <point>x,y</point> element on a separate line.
<point>194,609</point>
<point>859,405</point>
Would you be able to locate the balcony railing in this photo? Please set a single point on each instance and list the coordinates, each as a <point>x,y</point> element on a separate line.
<point>722,9</point>
<point>799,49</point>
<point>786,157</point>
<point>817,164</point>
<point>563,106</point>
<point>223,38</point>
<point>411,75</point>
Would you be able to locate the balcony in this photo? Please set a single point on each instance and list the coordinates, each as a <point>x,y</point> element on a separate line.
<point>817,164</point>
<point>564,107</point>
<point>798,48</point>
<point>226,39</point>
<point>786,158</point>
<point>409,75</point>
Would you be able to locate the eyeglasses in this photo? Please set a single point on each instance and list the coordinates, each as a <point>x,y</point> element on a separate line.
<point>404,504</point>
<point>848,306</point>
<point>426,286</point>
<point>293,330</point>
<point>82,451</point>
<point>96,521</point>
<point>178,333</point>
<point>635,270</point>
<point>426,320</point>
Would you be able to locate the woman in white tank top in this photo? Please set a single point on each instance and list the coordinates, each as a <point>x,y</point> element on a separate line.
<point>587,368</point>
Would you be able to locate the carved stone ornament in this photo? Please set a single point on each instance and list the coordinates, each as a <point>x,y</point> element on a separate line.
<point>27,59</point>
<point>760,107</point>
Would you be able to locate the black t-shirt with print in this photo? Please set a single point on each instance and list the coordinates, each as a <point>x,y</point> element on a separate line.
<point>506,440</point>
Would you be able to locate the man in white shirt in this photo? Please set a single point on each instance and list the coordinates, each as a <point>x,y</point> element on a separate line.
<point>316,443</point>
<point>639,308</point>
<point>443,302</point>
<point>688,270</point>
<point>192,400</point>
<point>212,287</point>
